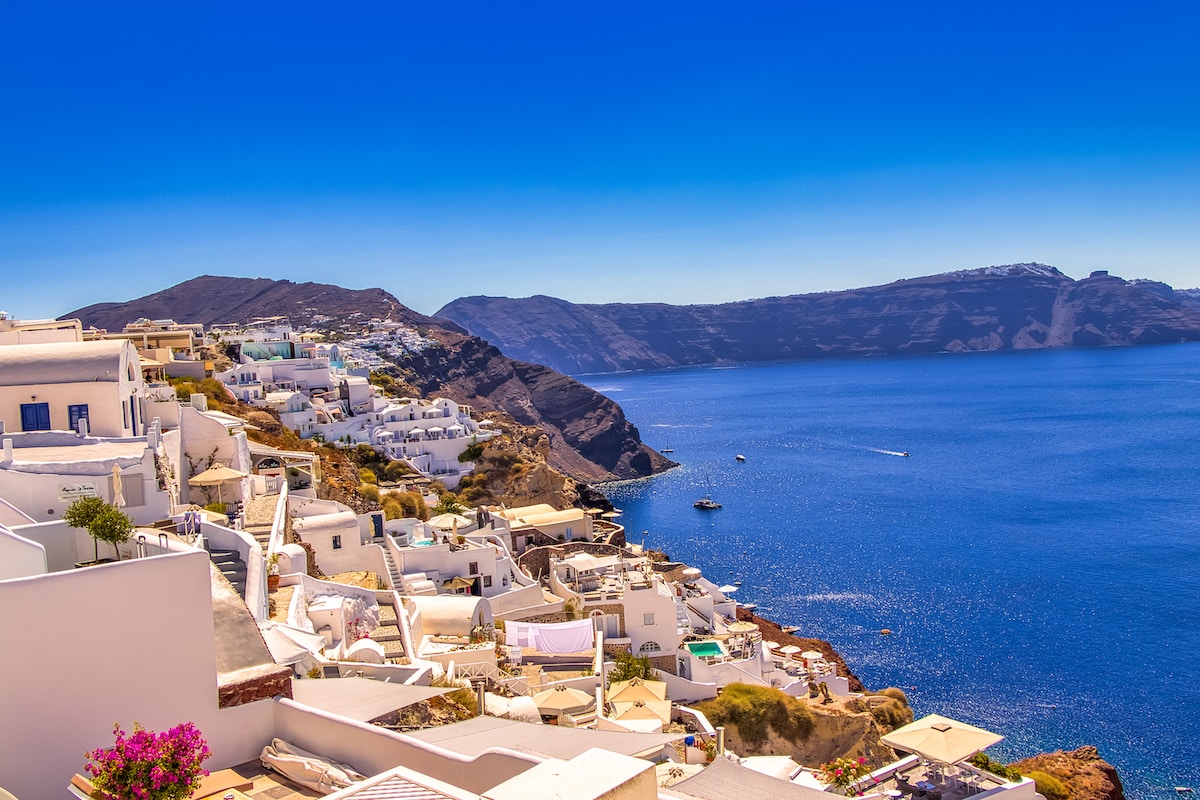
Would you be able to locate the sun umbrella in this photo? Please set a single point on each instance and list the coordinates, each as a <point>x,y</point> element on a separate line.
<point>742,627</point>
<point>218,476</point>
<point>562,700</point>
<point>939,738</point>
<point>789,649</point>
<point>445,522</point>
<point>637,689</point>
<point>118,488</point>
<point>812,655</point>
<point>727,589</point>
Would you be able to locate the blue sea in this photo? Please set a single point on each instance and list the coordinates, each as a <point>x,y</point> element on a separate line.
<point>1035,556</point>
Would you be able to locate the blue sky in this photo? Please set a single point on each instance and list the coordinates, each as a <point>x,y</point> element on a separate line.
<point>681,152</point>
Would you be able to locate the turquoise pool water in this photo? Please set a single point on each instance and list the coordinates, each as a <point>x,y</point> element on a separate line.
<point>705,649</point>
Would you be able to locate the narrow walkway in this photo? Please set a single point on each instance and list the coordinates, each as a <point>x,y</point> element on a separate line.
<point>259,516</point>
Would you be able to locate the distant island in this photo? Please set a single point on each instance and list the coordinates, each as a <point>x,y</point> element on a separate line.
<point>1011,307</point>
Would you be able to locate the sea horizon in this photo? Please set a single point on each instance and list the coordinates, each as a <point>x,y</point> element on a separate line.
<point>1028,556</point>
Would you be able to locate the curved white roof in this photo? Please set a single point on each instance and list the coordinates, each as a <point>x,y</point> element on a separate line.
<point>62,362</point>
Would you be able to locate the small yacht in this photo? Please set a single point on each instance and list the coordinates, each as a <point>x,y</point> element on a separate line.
<point>739,457</point>
<point>706,503</point>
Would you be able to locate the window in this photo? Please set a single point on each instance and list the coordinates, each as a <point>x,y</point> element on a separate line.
<point>487,581</point>
<point>650,647</point>
<point>473,568</point>
<point>35,416</point>
<point>337,542</point>
<point>647,619</point>
<point>76,413</point>
<point>568,533</point>
<point>125,413</point>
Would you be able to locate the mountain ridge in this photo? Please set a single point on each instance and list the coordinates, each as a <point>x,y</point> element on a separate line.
<point>1014,306</point>
<point>590,438</point>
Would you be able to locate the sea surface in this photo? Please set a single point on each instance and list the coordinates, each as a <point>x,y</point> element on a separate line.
<point>1036,556</point>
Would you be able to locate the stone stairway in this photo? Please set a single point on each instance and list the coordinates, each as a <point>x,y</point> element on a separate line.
<point>231,565</point>
<point>388,633</point>
<point>393,573</point>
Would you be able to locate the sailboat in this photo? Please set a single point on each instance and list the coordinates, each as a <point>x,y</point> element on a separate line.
<point>668,448</point>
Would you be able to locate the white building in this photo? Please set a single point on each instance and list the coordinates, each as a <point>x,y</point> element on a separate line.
<point>59,385</point>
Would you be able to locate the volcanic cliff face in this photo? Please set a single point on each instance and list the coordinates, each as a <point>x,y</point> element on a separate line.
<point>1014,307</point>
<point>1082,773</point>
<point>590,439</point>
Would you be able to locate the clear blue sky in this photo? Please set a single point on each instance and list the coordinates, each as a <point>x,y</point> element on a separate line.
<point>680,152</point>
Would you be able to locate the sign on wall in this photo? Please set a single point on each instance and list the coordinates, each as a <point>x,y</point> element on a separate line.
<point>73,491</point>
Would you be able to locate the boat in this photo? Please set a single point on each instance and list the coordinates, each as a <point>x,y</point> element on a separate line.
<point>706,503</point>
<point>740,457</point>
<point>668,448</point>
<point>905,454</point>
<point>789,628</point>
<point>749,606</point>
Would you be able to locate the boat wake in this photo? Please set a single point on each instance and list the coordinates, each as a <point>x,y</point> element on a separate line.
<point>888,452</point>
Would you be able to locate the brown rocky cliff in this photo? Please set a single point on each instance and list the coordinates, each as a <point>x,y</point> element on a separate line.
<point>1014,307</point>
<point>1082,772</point>
<point>590,438</point>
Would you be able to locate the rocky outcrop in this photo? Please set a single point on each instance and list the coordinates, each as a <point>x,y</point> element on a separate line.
<point>1014,307</point>
<point>1082,772</point>
<point>588,435</point>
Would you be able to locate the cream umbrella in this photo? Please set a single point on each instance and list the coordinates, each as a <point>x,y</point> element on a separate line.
<point>789,649</point>
<point>118,487</point>
<point>939,738</point>
<point>562,700</point>
<point>218,476</point>
<point>636,689</point>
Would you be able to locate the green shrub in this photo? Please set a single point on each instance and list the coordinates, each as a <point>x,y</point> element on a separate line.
<point>995,767</point>
<point>472,453</point>
<point>893,712</point>
<point>367,476</point>
<point>1049,786</point>
<point>757,709</point>
<point>369,492</point>
<point>628,666</point>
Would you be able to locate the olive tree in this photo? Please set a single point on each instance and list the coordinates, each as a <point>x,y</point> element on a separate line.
<point>103,522</point>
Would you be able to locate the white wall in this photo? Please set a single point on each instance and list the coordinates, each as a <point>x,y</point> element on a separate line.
<point>119,642</point>
<point>20,557</point>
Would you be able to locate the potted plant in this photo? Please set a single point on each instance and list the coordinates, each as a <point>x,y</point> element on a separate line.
<point>103,522</point>
<point>146,765</point>
<point>273,572</point>
<point>845,772</point>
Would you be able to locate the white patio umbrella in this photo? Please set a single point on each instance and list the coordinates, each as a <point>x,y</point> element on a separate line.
<point>939,738</point>
<point>727,589</point>
<point>218,476</point>
<point>789,649</point>
<point>118,487</point>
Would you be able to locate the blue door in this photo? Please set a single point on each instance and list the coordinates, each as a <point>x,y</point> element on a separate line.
<point>35,416</point>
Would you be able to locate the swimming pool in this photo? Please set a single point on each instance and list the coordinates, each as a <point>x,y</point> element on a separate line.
<point>706,649</point>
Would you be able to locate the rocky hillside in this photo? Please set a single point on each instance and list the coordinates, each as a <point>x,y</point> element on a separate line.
<point>588,435</point>
<point>212,300</point>
<point>1015,307</point>
<point>1082,774</point>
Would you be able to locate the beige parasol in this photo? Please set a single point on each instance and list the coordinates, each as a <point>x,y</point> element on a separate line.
<point>562,700</point>
<point>939,738</point>
<point>117,487</point>
<point>218,476</point>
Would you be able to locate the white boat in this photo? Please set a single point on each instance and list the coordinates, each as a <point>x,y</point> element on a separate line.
<point>706,503</point>
<point>739,457</point>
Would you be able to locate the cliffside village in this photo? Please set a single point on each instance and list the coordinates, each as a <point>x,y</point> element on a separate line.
<point>209,612</point>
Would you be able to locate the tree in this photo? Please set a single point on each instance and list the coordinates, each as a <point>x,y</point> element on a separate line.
<point>103,522</point>
<point>448,504</point>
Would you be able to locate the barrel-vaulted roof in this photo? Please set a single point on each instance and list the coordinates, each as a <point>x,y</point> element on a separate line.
<point>61,362</point>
